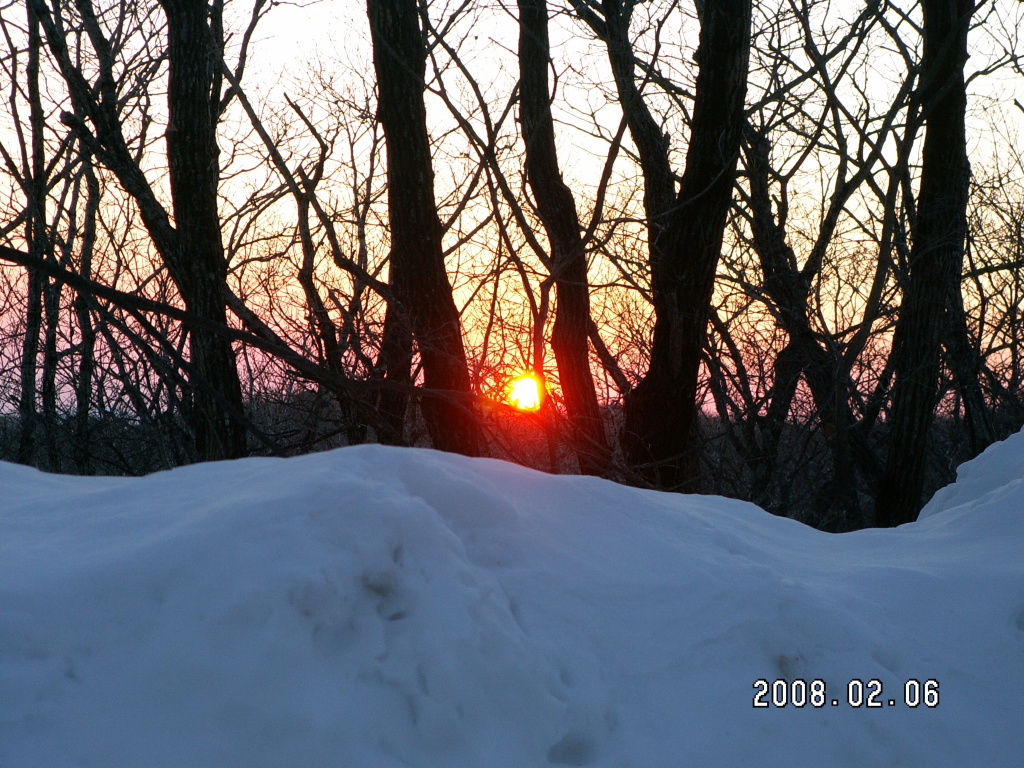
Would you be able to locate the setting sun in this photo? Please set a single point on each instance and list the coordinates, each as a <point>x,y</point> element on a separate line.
<point>526,392</point>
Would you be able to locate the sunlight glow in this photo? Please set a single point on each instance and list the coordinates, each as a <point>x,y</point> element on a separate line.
<point>526,392</point>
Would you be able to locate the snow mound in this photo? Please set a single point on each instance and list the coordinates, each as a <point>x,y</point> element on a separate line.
<point>394,607</point>
<point>995,476</point>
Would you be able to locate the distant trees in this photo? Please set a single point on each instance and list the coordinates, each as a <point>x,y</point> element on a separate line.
<point>743,242</point>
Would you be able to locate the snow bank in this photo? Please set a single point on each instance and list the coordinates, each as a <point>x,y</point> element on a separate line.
<point>995,476</point>
<point>384,607</point>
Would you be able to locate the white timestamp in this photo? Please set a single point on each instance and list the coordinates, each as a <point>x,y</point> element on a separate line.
<point>870,694</point>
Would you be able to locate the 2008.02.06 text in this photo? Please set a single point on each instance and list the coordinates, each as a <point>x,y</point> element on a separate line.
<point>801,693</point>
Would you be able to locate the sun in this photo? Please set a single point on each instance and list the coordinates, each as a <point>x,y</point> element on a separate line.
<point>526,392</point>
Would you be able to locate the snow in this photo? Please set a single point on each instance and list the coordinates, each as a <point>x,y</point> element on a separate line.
<point>388,607</point>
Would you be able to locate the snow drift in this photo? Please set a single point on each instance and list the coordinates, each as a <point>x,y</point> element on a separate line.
<point>380,607</point>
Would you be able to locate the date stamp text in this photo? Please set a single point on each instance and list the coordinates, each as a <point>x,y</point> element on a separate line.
<point>859,693</point>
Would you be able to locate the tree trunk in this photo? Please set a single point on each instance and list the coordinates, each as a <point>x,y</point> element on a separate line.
<point>87,358</point>
<point>964,361</point>
<point>661,410</point>
<point>192,154</point>
<point>557,210</point>
<point>936,259</point>
<point>417,270</point>
<point>819,363</point>
<point>48,375</point>
<point>35,235</point>
<point>396,360</point>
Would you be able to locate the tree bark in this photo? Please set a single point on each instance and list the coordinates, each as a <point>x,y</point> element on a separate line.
<point>35,236</point>
<point>936,259</point>
<point>87,356</point>
<point>193,74</point>
<point>396,360</point>
<point>965,363</point>
<point>661,410</point>
<point>557,211</point>
<point>417,270</point>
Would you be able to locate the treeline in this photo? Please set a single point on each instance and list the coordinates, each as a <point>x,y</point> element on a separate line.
<point>771,249</point>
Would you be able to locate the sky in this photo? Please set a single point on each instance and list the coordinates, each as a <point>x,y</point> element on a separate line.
<point>383,607</point>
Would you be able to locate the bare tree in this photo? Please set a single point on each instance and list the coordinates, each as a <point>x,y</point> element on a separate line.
<point>932,289</point>
<point>418,275</point>
<point>190,247</point>
<point>557,210</point>
<point>661,410</point>
<point>34,182</point>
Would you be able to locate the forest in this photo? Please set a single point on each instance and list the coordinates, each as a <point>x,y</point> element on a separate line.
<point>769,250</point>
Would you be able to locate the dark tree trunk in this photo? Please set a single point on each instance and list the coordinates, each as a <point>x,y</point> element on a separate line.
<point>418,275</point>
<point>48,377</point>
<point>931,291</point>
<point>396,360</point>
<point>965,362</point>
<point>557,210</point>
<point>201,270</point>
<point>28,413</point>
<point>806,354</point>
<point>35,235</point>
<point>661,410</point>
<point>87,356</point>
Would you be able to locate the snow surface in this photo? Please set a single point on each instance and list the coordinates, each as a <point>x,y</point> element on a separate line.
<point>395,607</point>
